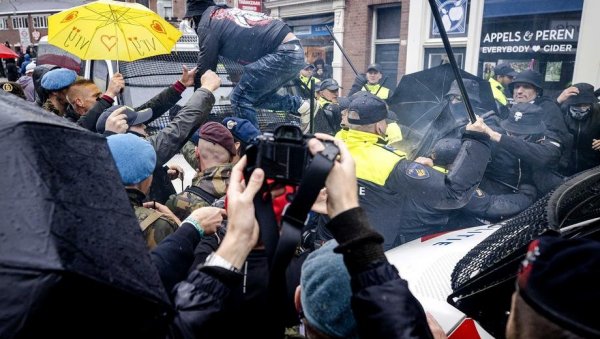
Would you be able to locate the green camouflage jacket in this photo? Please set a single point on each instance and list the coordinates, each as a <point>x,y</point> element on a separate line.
<point>155,225</point>
<point>213,181</point>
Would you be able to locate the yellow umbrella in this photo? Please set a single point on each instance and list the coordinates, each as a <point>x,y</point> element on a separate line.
<point>111,30</point>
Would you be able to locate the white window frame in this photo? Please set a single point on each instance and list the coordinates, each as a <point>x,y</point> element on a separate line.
<point>374,40</point>
<point>3,23</point>
<point>36,19</point>
<point>20,21</point>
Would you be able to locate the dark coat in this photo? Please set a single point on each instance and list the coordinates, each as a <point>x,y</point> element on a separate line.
<point>514,162</point>
<point>581,155</point>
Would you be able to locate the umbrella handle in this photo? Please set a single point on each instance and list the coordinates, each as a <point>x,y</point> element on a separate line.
<point>461,86</point>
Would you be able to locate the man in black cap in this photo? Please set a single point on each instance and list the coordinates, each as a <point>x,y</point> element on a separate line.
<point>557,278</point>
<point>371,82</point>
<point>271,54</point>
<point>527,88</point>
<point>406,199</point>
<point>582,117</point>
<point>524,154</point>
<point>503,76</point>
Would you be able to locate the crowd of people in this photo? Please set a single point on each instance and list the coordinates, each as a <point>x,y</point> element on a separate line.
<point>204,241</point>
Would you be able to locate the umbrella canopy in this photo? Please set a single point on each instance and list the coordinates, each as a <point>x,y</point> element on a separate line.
<point>111,30</point>
<point>73,261</point>
<point>421,106</point>
<point>6,53</point>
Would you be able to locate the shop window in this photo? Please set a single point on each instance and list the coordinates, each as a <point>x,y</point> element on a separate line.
<point>40,21</point>
<point>437,56</point>
<point>455,16</point>
<point>543,40</point>
<point>20,22</point>
<point>386,41</point>
<point>3,23</point>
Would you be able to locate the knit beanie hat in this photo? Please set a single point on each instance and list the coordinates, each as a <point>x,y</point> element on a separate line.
<point>326,293</point>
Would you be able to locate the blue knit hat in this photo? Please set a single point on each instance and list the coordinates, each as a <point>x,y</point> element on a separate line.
<point>135,157</point>
<point>58,79</point>
<point>326,293</point>
<point>241,129</point>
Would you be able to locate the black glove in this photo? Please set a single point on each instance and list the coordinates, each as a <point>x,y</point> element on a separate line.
<point>358,84</point>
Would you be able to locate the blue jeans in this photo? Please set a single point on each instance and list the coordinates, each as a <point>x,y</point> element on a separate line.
<point>258,85</point>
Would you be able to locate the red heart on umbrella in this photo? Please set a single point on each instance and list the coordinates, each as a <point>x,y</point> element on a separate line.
<point>109,41</point>
<point>158,27</point>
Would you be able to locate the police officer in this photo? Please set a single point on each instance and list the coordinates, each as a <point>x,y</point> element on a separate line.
<point>371,82</point>
<point>407,199</point>
<point>135,159</point>
<point>582,117</point>
<point>524,153</point>
<point>329,116</point>
<point>503,76</point>
<point>214,153</point>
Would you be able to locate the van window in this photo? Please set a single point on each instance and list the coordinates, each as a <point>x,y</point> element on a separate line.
<point>100,74</point>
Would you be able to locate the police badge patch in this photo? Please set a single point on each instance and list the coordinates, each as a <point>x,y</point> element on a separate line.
<point>417,171</point>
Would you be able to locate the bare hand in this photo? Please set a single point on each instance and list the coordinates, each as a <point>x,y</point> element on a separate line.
<point>209,218</point>
<point>162,209</point>
<point>596,144</point>
<point>424,161</point>
<point>320,205</point>
<point>187,77</point>
<point>477,126</point>
<point>342,188</point>
<point>117,121</point>
<point>175,172</point>
<point>569,92</point>
<point>210,80</point>
<point>242,228</point>
<point>116,84</point>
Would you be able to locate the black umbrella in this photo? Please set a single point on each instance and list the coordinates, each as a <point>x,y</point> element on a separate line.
<point>420,104</point>
<point>73,262</point>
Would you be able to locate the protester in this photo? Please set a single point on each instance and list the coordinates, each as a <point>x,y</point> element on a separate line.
<point>214,153</point>
<point>13,88</point>
<point>26,82</point>
<point>168,141</point>
<point>271,54</point>
<point>56,82</point>
<point>527,88</point>
<point>582,117</point>
<point>524,154</point>
<point>135,159</point>
<point>26,61</point>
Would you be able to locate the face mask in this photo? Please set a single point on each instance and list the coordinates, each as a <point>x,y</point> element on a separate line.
<point>578,113</point>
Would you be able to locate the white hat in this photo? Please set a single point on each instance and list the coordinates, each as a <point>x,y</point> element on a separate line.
<point>30,67</point>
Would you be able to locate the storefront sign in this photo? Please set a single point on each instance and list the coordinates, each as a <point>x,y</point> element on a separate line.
<point>454,18</point>
<point>250,5</point>
<point>558,40</point>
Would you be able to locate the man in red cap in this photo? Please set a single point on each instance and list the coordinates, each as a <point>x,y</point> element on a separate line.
<point>215,151</point>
